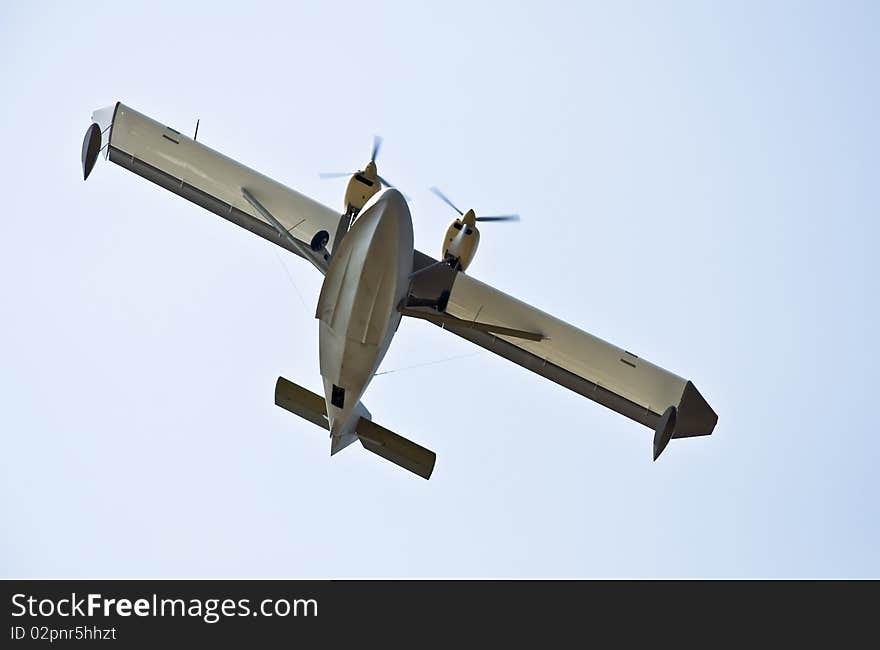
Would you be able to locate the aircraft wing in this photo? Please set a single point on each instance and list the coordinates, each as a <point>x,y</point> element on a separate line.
<point>204,176</point>
<point>562,353</point>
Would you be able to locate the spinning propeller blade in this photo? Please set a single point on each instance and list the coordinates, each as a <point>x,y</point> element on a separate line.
<point>500,217</point>
<point>377,144</point>
<point>445,199</point>
<point>369,169</point>
<point>497,217</point>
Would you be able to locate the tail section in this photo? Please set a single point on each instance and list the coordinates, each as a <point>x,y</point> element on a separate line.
<point>373,437</point>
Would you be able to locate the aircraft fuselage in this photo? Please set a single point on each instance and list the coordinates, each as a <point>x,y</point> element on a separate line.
<point>357,310</point>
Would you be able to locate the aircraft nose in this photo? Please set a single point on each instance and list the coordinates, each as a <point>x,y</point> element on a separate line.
<point>393,198</point>
<point>387,210</point>
<point>393,192</point>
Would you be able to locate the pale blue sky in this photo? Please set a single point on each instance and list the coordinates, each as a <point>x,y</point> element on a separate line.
<point>698,183</point>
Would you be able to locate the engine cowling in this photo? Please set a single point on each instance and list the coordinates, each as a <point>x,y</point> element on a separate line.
<point>461,241</point>
<point>361,187</point>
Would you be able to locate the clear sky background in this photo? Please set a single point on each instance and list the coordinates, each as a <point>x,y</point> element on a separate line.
<point>698,183</point>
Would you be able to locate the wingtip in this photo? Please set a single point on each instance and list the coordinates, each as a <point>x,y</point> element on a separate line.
<point>91,147</point>
<point>664,431</point>
<point>695,416</point>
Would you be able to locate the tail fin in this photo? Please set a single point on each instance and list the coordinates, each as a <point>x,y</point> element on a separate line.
<point>373,437</point>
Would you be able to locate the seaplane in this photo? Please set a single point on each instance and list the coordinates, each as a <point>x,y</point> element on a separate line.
<point>374,277</point>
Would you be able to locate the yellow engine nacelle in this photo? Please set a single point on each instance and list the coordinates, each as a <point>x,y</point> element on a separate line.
<point>461,241</point>
<point>362,186</point>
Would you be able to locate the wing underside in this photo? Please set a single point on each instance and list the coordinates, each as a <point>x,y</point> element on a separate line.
<point>566,355</point>
<point>207,178</point>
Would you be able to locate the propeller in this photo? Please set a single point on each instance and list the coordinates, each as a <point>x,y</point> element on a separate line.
<point>446,200</point>
<point>374,152</point>
<point>498,217</point>
<point>377,144</point>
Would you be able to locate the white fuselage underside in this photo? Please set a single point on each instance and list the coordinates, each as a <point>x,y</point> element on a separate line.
<point>367,279</point>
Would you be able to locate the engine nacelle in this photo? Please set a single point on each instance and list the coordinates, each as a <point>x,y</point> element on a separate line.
<point>461,241</point>
<point>362,186</point>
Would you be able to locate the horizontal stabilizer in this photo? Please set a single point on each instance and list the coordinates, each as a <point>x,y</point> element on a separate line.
<point>301,402</point>
<point>395,448</point>
<point>373,437</point>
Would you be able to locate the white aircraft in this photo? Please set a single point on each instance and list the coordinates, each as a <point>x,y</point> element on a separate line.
<point>373,277</point>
